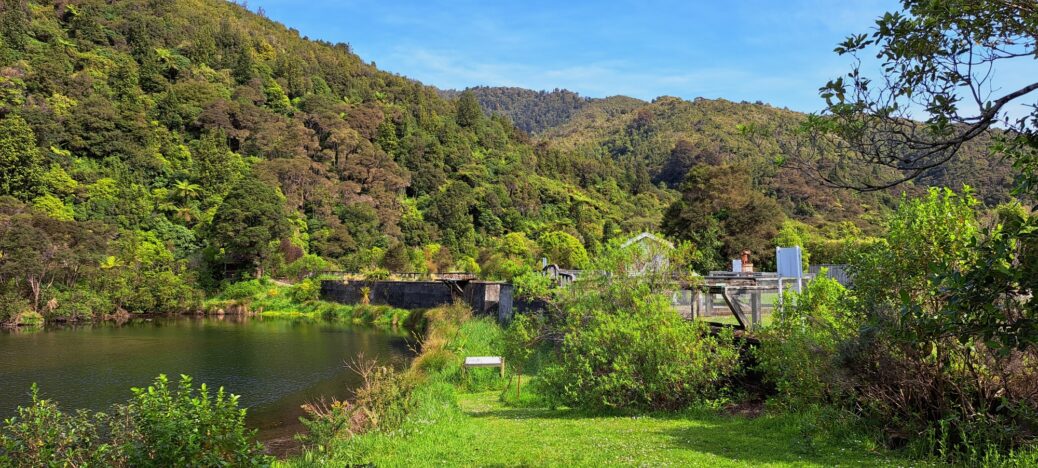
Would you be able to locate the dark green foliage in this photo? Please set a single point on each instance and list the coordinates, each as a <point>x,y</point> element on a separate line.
<point>469,112</point>
<point>800,351</point>
<point>450,211</point>
<point>187,426</point>
<point>43,435</point>
<point>927,361</point>
<point>622,345</point>
<point>148,118</point>
<point>41,253</point>
<point>531,111</point>
<point>721,213</point>
<point>159,426</point>
<point>19,159</point>
<point>934,345</point>
<point>248,222</point>
<point>669,136</point>
<point>952,342</point>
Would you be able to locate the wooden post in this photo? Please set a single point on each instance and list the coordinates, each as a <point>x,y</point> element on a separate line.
<point>733,304</point>
<point>755,306</point>
<point>709,305</point>
<point>693,306</point>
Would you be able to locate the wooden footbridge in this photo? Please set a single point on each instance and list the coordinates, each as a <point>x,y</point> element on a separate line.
<point>741,295</point>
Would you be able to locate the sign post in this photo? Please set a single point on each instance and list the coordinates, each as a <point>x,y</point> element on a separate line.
<point>789,261</point>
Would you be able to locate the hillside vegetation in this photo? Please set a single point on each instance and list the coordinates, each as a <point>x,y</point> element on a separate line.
<point>151,150</point>
<point>186,142</point>
<point>730,163</point>
<point>537,111</point>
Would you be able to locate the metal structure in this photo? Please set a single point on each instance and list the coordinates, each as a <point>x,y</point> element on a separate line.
<point>838,272</point>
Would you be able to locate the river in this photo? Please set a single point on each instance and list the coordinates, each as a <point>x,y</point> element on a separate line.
<point>274,364</point>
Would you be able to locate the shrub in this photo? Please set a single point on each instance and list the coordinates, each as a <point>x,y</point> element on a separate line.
<point>184,426</point>
<point>381,403</point>
<point>159,426</point>
<point>563,249</point>
<point>799,351</point>
<point>244,289</point>
<point>29,318</point>
<point>160,291</point>
<point>532,285</point>
<point>946,359</point>
<point>80,303</point>
<point>11,304</point>
<point>616,342</point>
<point>42,435</point>
<point>307,266</point>
<point>375,274</point>
<point>620,344</point>
<point>641,356</point>
<point>307,290</point>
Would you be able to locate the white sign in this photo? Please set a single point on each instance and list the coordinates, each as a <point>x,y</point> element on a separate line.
<point>789,262</point>
<point>480,361</point>
<point>736,265</point>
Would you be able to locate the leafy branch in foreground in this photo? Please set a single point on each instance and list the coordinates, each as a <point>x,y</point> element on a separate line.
<point>938,59</point>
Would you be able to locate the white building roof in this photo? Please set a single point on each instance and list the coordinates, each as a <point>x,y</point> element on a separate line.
<point>649,236</point>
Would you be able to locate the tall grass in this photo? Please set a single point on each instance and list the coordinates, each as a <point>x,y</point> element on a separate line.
<point>424,393</point>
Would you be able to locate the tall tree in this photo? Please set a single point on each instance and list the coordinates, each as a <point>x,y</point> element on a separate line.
<point>469,111</point>
<point>39,251</point>
<point>19,158</point>
<point>563,249</point>
<point>722,213</point>
<point>248,225</point>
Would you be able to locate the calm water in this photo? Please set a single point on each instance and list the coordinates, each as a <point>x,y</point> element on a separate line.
<point>274,364</point>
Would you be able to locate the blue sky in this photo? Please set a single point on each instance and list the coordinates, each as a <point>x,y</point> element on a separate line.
<point>778,52</point>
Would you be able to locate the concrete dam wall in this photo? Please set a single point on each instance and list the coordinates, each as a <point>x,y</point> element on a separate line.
<point>486,298</point>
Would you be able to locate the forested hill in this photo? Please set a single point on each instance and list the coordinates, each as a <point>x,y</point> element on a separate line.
<point>188,141</point>
<point>151,149</point>
<point>666,133</point>
<point>729,163</point>
<point>537,111</point>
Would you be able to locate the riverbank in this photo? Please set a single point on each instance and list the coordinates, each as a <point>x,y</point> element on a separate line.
<point>474,419</point>
<point>298,301</point>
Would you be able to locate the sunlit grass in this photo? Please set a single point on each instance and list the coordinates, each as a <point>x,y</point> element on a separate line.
<point>475,419</point>
<point>271,300</point>
<point>480,430</point>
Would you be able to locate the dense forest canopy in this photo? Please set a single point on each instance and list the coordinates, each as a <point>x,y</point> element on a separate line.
<point>531,111</point>
<point>188,142</point>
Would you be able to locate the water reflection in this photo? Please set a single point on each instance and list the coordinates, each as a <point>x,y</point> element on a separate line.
<point>274,364</point>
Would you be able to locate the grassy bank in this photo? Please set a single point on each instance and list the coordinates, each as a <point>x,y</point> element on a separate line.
<point>299,301</point>
<point>473,418</point>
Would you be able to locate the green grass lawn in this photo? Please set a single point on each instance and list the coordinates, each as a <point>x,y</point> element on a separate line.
<point>765,318</point>
<point>482,431</point>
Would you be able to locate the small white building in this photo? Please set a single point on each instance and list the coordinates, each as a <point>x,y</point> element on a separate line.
<point>652,254</point>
